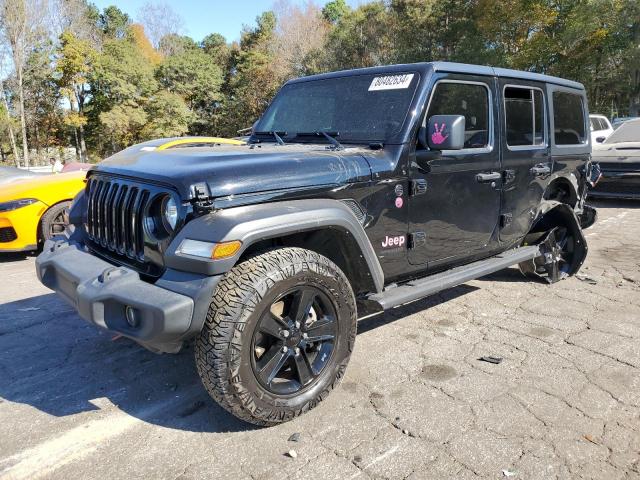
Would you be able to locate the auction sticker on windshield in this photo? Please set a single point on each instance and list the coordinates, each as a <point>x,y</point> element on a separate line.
<point>391,82</point>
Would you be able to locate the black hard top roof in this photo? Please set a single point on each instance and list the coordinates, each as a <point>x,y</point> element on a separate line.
<point>426,67</point>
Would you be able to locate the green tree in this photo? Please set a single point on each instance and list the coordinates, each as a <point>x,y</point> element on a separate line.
<point>253,82</point>
<point>42,97</point>
<point>197,79</point>
<point>122,81</point>
<point>335,10</point>
<point>362,38</point>
<point>174,44</point>
<point>215,45</point>
<point>113,22</point>
<point>122,125</point>
<point>168,116</point>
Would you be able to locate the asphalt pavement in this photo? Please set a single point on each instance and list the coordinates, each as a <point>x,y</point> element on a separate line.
<point>416,403</point>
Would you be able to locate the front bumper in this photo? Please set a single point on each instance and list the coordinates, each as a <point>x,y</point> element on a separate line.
<point>166,313</point>
<point>20,228</point>
<point>617,184</point>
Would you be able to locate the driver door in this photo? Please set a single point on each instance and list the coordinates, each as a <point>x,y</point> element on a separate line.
<point>454,208</point>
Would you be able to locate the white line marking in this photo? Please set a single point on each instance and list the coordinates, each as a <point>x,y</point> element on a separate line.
<point>386,454</point>
<point>43,459</point>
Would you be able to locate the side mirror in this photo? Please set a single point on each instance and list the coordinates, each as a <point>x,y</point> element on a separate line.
<point>600,139</point>
<point>445,132</point>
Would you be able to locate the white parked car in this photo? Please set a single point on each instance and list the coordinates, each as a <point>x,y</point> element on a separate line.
<point>600,128</point>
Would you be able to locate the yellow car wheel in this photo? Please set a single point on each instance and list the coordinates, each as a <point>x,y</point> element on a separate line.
<point>53,221</point>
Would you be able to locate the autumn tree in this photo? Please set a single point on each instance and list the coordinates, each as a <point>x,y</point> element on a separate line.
<point>75,62</point>
<point>300,34</point>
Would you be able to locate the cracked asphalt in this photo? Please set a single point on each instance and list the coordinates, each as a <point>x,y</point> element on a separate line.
<point>416,402</point>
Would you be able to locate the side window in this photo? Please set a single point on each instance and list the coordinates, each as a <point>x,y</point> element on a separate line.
<point>568,119</point>
<point>524,116</point>
<point>597,124</point>
<point>468,99</point>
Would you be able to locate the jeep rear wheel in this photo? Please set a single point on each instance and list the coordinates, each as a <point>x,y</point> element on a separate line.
<point>278,335</point>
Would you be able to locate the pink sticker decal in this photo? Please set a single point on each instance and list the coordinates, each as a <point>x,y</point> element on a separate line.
<point>437,138</point>
<point>399,202</point>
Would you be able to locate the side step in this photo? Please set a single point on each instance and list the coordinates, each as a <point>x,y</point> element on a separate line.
<point>423,287</point>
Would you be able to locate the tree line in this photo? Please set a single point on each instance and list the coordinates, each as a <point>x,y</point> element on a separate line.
<point>98,80</point>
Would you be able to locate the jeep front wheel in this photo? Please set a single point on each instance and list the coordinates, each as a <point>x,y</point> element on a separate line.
<point>278,335</point>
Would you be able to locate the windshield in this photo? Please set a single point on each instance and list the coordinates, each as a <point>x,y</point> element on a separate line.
<point>356,108</point>
<point>629,131</point>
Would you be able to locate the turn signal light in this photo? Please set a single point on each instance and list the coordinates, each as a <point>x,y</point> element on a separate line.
<point>226,249</point>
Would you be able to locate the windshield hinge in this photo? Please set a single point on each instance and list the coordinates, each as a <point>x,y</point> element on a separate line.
<point>201,196</point>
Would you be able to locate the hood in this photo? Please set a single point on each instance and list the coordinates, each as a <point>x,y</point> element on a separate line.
<point>48,189</point>
<point>616,152</point>
<point>240,169</point>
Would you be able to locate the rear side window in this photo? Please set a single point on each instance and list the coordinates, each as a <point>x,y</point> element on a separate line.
<point>568,119</point>
<point>468,99</point>
<point>524,116</point>
<point>598,124</point>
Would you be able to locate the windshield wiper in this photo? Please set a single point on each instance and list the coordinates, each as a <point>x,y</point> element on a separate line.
<point>330,136</point>
<point>274,134</point>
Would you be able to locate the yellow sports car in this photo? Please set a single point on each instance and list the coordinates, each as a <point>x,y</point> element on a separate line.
<point>33,210</point>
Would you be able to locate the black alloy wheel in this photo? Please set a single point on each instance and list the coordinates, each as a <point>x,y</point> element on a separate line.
<point>294,340</point>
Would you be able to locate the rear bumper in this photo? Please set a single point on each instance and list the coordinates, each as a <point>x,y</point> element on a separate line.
<point>165,313</point>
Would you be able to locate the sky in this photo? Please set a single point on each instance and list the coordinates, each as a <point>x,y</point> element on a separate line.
<point>202,17</point>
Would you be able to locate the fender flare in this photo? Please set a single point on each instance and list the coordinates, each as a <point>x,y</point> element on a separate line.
<point>253,223</point>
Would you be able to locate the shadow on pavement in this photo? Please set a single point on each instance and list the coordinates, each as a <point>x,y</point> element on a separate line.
<point>57,363</point>
<point>371,323</point>
<point>54,361</point>
<point>16,256</point>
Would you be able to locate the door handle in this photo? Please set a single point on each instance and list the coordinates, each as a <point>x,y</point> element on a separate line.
<point>488,177</point>
<point>540,170</point>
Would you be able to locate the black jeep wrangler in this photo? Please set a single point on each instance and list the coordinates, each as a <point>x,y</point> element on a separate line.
<point>357,191</point>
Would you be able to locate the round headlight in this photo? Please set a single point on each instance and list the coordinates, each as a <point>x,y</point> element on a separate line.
<point>170,212</point>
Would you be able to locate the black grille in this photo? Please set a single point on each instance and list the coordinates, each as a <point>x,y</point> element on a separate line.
<point>7,234</point>
<point>114,216</point>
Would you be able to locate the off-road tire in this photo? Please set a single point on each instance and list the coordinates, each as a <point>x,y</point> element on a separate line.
<point>49,217</point>
<point>223,349</point>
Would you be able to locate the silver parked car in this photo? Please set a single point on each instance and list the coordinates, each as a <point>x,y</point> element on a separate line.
<point>619,159</point>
